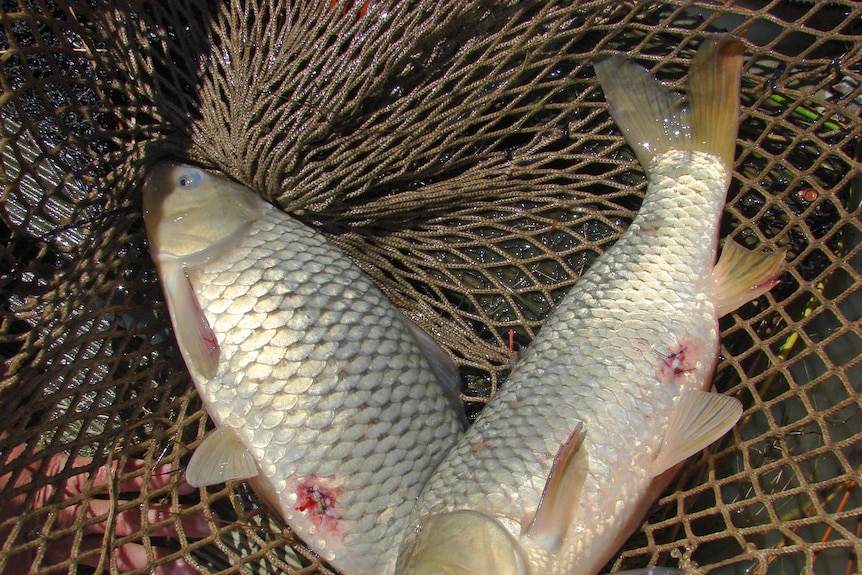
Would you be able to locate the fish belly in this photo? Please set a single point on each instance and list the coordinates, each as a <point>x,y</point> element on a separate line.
<point>326,387</point>
<point>636,331</point>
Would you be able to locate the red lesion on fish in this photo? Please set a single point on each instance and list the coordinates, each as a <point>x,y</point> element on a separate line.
<point>318,502</point>
<point>679,360</point>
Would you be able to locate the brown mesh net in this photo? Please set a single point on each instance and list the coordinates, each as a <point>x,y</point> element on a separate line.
<point>461,152</point>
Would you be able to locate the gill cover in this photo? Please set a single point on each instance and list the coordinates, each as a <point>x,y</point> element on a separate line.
<point>461,543</point>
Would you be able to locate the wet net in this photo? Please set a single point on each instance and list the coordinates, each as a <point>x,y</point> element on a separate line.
<point>461,152</point>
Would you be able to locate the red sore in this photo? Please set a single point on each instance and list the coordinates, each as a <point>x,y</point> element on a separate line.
<point>676,363</point>
<point>318,502</point>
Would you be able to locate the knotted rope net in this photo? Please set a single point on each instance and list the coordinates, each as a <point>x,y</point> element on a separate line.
<point>461,152</point>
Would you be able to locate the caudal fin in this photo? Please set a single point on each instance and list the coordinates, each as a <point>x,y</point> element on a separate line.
<point>713,92</point>
<point>654,119</point>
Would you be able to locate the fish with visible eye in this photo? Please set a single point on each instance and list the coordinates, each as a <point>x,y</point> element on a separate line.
<point>612,395</point>
<point>333,405</point>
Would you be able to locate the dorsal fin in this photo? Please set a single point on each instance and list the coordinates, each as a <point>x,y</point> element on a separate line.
<point>443,366</point>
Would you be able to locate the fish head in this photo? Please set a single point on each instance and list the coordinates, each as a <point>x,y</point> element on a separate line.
<point>187,210</point>
<point>462,542</point>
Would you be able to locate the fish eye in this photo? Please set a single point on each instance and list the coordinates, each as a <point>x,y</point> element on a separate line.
<point>189,179</point>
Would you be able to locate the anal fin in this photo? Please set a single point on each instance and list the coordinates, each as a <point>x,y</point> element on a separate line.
<point>562,491</point>
<point>193,331</point>
<point>742,275</point>
<point>699,419</point>
<point>219,458</point>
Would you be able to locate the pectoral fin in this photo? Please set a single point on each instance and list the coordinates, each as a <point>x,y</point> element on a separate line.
<point>193,331</point>
<point>219,458</point>
<point>742,275</point>
<point>698,420</point>
<point>561,493</point>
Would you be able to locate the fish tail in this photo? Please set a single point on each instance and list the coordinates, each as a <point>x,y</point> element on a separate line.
<point>654,119</point>
<point>713,92</point>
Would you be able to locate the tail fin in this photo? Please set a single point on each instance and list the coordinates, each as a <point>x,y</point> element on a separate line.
<point>654,120</point>
<point>713,92</point>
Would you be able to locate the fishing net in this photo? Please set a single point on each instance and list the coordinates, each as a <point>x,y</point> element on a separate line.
<point>461,152</point>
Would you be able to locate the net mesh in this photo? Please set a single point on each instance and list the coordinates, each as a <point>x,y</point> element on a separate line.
<point>461,152</point>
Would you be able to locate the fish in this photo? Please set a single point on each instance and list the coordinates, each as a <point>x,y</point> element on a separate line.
<point>325,396</point>
<point>612,396</point>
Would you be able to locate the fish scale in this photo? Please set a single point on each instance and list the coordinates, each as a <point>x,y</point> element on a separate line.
<point>320,379</point>
<point>609,399</point>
